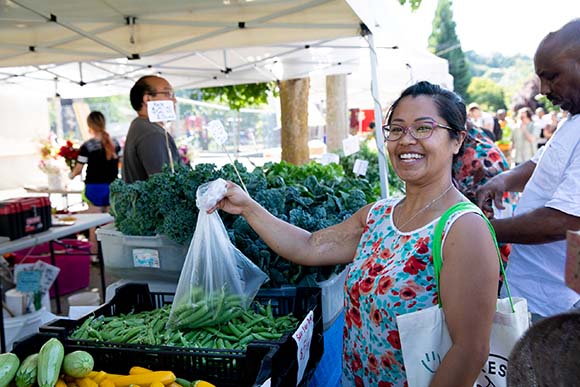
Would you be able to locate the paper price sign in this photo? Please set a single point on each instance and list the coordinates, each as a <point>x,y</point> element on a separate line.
<point>350,145</point>
<point>146,258</point>
<point>328,158</point>
<point>360,167</point>
<point>161,111</point>
<point>303,338</point>
<point>217,131</point>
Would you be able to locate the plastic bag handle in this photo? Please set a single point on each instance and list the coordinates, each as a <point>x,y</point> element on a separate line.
<point>438,238</point>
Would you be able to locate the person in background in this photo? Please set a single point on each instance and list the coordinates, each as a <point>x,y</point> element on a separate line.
<point>388,246</point>
<point>524,136</point>
<point>101,156</point>
<point>481,119</point>
<point>148,146</point>
<point>481,160</point>
<point>550,203</point>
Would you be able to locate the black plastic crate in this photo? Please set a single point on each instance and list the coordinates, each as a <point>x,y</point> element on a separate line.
<point>117,360</point>
<point>226,367</point>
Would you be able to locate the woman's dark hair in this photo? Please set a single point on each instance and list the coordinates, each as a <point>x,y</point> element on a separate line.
<point>139,89</point>
<point>450,107</point>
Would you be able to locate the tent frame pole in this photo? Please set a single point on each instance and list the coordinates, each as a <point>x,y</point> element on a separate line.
<point>383,166</point>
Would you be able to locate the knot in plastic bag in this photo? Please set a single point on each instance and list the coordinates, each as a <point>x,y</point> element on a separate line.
<point>209,194</point>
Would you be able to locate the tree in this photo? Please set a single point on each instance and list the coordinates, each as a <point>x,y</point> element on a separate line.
<point>239,96</point>
<point>444,43</point>
<point>486,93</point>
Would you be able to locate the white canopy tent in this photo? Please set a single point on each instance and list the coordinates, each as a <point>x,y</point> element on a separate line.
<point>82,48</point>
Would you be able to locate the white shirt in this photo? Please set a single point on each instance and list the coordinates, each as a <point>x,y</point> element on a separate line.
<point>536,272</point>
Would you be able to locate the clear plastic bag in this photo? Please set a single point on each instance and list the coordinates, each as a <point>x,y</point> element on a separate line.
<point>217,281</point>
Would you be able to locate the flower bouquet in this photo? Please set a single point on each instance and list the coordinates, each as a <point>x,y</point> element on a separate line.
<point>69,153</point>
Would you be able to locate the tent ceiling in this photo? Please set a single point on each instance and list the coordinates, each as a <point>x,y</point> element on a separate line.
<point>36,32</point>
<point>105,45</point>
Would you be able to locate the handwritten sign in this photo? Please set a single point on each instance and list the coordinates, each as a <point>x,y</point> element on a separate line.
<point>49,274</point>
<point>217,131</point>
<point>350,145</point>
<point>328,158</point>
<point>303,338</point>
<point>161,111</point>
<point>360,167</point>
<point>28,281</point>
<point>146,258</point>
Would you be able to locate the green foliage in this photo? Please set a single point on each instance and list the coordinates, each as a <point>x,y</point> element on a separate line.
<point>509,72</point>
<point>311,196</point>
<point>488,94</point>
<point>445,44</point>
<point>372,178</point>
<point>114,107</point>
<point>414,3</point>
<point>240,96</point>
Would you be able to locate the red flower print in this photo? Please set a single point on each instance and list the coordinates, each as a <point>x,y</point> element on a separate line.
<point>354,294</point>
<point>422,248</point>
<point>367,264</point>
<point>385,284</point>
<point>376,269</point>
<point>377,244</point>
<point>394,340</point>
<point>355,317</point>
<point>373,364</point>
<point>409,291</point>
<point>414,265</point>
<point>404,239</point>
<point>386,254</point>
<point>494,156</point>
<point>356,362</point>
<point>376,316</point>
<point>388,360</point>
<point>385,384</point>
<point>366,286</point>
<point>358,382</point>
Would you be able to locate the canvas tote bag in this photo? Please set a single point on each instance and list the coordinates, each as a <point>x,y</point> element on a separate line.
<point>425,339</point>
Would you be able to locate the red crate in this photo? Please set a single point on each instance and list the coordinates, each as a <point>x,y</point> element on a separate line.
<point>72,257</point>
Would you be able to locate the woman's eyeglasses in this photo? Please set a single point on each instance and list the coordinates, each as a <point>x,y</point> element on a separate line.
<point>418,130</point>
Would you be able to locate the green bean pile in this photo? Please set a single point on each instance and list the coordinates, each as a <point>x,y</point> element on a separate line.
<point>236,332</point>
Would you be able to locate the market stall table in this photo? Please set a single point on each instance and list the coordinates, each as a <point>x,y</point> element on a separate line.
<point>64,193</point>
<point>82,222</point>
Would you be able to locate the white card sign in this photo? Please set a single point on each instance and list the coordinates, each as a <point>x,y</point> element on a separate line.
<point>146,258</point>
<point>360,167</point>
<point>303,338</point>
<point>350,145</point>
<point>328,158</point>
<point>161,111</point>
<point>217,131</point>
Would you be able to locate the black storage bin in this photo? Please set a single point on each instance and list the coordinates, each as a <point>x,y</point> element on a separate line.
<point>11,220</point>
<point>222,367</point>
<point>24,216</point>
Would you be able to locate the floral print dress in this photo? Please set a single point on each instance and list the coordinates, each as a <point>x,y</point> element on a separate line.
<point>392,274</point>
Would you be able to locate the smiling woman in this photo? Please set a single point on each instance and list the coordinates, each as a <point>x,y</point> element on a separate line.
<point>391,270</point>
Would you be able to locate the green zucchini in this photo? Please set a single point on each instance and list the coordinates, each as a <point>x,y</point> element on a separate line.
<point>50,360</point>
<point>9,364</point>
<point>26,374</point>
<point>78,364</point>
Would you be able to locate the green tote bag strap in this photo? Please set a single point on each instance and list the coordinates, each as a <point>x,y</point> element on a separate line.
<point>438,239</point>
